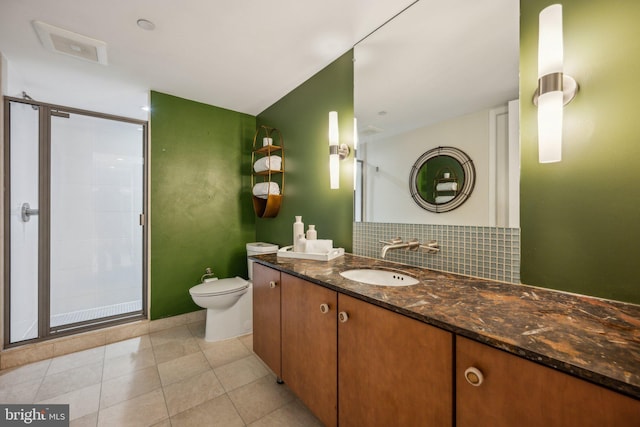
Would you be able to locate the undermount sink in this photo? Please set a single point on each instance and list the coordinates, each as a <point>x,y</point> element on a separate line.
<point>379,277</point>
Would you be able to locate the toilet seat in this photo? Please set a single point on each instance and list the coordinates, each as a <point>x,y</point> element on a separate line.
<point>220,287</point>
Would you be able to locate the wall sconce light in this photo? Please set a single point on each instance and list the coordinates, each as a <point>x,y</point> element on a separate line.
<point>337,151</point>
<point>355,153</point>
<point>555,89</point>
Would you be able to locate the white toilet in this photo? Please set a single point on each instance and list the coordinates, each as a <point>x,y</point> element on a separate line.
<point>229,302</point>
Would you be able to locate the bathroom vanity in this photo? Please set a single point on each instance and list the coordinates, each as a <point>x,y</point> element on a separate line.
<point>451,350</point>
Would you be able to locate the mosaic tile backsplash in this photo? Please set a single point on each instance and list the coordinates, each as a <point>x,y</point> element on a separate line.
<point>487,252</point>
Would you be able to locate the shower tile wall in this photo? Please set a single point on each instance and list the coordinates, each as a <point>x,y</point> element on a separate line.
<point>486,252</point>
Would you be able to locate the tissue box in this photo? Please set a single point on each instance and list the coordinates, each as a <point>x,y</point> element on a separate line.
<point>321,246</point>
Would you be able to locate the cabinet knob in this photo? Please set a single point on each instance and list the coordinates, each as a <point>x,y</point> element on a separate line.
<point>272,284</point>
<point>474,376</point>
<point>343,316</point>
<point>324,308</point>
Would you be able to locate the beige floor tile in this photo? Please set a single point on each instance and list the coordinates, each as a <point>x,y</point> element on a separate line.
<point>197,329</point>
<point>144,410</point>
<point>89,420</point>
<point>81,402</point>
<point>122,365</point>
<point>293,414</point>
<point>196,316</point>
<point>224,352</point>
<point>69,380</point>
<point>76,360</point>
<point>128,386</point>
<point>24,373</point>
<point>24,392</point>
<point>170,335</point>
<point>130,346</point>
<point>163,423</point>
<point>257,399</point>
<point>218,412</point>
<point>192,391</point>
<point>183,367</point>
<point>240,372</point>
<point>247,340</point>
<point>175,349</point>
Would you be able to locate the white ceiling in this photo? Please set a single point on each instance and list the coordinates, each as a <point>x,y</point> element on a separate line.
<point>238,54</point>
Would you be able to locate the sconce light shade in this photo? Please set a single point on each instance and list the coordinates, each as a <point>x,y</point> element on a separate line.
<point>550,110</point>
<point>550,44</point>
<point>550,85</point>
<point>334,157</point>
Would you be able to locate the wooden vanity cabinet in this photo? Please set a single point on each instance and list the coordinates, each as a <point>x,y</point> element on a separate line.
<point>266,316</point>
<point>352,363</point>
<point>392,370</point>
<point>357,364</point>
<point>309,345</point>
<point>518,392</point>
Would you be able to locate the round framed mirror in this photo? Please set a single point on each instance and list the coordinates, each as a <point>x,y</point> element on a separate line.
<point>442,179</point>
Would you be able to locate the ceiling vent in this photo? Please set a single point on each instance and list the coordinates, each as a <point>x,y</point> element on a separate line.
<point>370,130</point>
<point>72,44</point>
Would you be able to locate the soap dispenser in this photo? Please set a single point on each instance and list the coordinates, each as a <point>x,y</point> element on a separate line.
<point>298,232</point>
<point>312,234</point>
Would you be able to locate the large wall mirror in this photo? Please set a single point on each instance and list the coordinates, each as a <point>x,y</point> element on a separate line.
<point>439,74</point>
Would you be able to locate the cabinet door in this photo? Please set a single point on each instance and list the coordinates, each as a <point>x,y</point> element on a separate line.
<point>518,392</point>
<point>392,370</point>
<point>266,316</point>
<point>309,345</point>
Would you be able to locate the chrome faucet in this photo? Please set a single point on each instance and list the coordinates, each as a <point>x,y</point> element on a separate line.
<point>412,244</point>
<point>397,243</point>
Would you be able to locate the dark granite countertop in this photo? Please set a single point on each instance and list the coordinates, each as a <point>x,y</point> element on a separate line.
<point>590,338</point>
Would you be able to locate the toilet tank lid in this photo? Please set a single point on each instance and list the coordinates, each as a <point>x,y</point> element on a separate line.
<point>261,247</point>
<point>219,287</point>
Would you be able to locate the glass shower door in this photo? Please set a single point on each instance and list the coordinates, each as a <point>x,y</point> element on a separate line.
<point>74,226</point>
<point>23,225</point>
<point>96,236</point>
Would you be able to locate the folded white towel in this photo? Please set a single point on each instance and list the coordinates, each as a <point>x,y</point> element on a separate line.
<point>447,186</point>
<point>268,163</point>
<point>443,199</point>
<point>319,246</point>
<point>263,189</point>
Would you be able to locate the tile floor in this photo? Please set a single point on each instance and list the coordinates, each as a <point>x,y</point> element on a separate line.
<point>167,378</point>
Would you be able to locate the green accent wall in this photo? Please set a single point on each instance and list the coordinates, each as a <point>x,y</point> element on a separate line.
<point>580,218</point>
<point>303,118</point>
<point>201,214</point>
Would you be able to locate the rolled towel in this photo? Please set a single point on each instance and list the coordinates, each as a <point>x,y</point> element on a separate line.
<point>319,246</point>
<point>268,163</point>
<point>443,199</point>
<point>447,186</point>
<point>263,189</point>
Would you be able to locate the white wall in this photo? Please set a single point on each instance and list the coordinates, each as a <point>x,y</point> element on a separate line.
<point>388,165</point>
<point>107,253</point>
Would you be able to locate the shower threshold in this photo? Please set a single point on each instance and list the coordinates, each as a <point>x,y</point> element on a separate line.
<point>95,313</point>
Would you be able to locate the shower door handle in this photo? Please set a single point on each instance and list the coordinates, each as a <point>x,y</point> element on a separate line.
<point>26,212</point>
